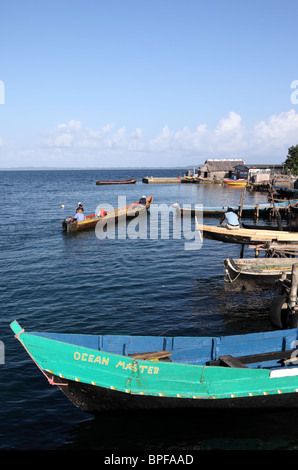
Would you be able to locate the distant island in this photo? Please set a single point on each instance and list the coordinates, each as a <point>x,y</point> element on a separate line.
<point>46,168</point>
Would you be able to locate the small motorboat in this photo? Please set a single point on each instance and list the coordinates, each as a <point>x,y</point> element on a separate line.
<point>90,221</point>
<point>235,182</point>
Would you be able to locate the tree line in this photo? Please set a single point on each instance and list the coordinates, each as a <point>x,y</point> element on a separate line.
<point>291,163</point>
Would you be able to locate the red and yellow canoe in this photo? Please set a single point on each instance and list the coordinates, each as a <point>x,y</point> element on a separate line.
<point>129,211</point>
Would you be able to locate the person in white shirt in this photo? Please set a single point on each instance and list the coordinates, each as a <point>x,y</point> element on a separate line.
<point>79,217</point>
<point>230,220</point>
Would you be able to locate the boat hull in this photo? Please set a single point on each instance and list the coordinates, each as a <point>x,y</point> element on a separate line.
<point>285,192</point>
<point>287,228</point>
<point>96,400</point>
<point>132,181</point>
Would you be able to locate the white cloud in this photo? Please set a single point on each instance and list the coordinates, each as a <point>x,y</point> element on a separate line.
<point>64,135</point>
<point>230,138</point>
<point>161,141</point>
<point>72,125</point>
<point>137,134</point>
<point>280,126</point>
<point>229,126</point>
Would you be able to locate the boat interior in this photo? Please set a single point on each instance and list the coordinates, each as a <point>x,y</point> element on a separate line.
<point>272,349</point>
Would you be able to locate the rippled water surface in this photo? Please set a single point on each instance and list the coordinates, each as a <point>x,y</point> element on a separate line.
<point>59,282</point>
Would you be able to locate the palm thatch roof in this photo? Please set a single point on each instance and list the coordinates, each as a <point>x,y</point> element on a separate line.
<point>228,164</point>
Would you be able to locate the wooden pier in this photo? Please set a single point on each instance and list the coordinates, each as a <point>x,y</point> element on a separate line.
<point>154,180</point>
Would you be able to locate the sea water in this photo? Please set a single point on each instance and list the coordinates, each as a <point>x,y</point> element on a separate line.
<point>55,281</point>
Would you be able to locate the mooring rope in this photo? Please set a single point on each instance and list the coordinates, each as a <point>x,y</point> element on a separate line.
<point>188,319</point>
<point>230,279</point>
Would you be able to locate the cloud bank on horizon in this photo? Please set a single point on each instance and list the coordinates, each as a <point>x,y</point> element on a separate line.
<point>73,144</point>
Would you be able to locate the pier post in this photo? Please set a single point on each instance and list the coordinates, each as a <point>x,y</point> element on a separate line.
<point>294,286</point>
<point>276,211</point>
<point>240,207</point>
<point>256,214</point>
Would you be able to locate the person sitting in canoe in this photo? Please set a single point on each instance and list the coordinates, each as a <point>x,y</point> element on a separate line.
<point>230,220</point>
<point>79,217</point>
<point>143,200</point>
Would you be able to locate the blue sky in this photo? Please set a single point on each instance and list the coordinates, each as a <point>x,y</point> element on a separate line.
<point>147,83</point>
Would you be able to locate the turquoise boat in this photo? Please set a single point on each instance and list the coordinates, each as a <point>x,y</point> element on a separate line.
<point>264,209</point>
<point>111,372</point>
<point>285,192</point>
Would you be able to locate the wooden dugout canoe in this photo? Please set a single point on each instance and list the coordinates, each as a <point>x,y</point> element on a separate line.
<point>116,373</point>
<point>132,181</point>
<point>264,210</point>
<point>255,273</point>
<point>288,228</point>
<point>246,236</point>
<point>129,211</point>
<point>285,192</point>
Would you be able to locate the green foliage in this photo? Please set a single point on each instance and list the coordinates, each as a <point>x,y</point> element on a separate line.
<point>291,163</point>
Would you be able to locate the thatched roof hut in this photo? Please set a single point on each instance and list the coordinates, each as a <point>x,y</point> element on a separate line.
<point>220,168</point>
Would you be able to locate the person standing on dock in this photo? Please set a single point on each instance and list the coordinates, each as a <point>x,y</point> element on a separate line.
<point>230,220</point>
